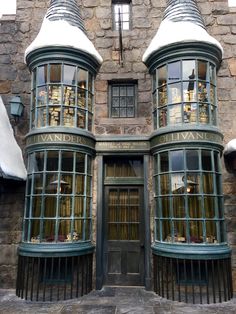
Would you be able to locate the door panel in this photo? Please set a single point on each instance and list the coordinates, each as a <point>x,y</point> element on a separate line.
<point>124,256</point>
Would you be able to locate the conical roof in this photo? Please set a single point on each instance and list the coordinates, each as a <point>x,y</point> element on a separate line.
<point>63,27</point>
<point>66,10</point>
<point>186,10</point>
<point>182,22</point>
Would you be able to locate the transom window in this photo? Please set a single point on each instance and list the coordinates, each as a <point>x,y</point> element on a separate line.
<point>122,100</point>
<point>58,197</point>
<point>188,195</point>
<point>184,92</point>
<point>121,14</point>
<point>62,95</point>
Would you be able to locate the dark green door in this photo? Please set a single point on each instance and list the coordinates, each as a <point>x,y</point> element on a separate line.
<point>124,236</point>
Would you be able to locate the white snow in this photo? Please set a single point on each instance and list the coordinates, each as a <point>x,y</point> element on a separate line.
<point>230,147</point>
<point>11,160</point>
<point>61,33</point>
<point>176,32</point>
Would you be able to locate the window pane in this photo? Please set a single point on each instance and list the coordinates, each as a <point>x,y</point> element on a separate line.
<point>196,231</point>
<point>174,71</point>
<point>42,75</point>
<point>192,160</point>
<point>55,73</point>
<point>69,74</point>
<point>178,207</point>
<point>165,207</point>
<point>177,183</point>
<point>82,78</point>
<point>202,70</point>
<point>162,75</point>
<point>164,162</point>
<point>67,161</point>
<point>37,161</point>
<point>52,160</point>
<point>164,184</point>
<point>194,206</point>
<point>174,93</point>
<point>188,72</point>
<point>177,160</point>
<point>206,160</point>
<point>50,206</point>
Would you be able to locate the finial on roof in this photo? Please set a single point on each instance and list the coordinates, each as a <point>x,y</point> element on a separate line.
<point>66,10</point>
<point>183,11</point>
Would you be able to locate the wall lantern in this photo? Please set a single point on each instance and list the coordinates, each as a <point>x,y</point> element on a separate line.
<point>16,107</point>
<point>230,156</point>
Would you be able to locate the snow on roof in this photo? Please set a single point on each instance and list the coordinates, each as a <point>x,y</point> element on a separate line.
<point>230,147</point>
<point>62,33</point>
<point>171,32</point>
<point>11,160</point>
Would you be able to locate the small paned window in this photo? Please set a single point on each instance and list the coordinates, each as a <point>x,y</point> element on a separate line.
<point>122,100</point>
<point>58,197</point>
<point>121,15</point>
<point>188,196</point>
<point>184,92</point>
<point>62,95</point>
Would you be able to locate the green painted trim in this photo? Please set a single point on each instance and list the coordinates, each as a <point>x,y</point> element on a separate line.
<point>184,49</point>
<point>55,250</point>
<point>186,137</point>
<point>65,54</point>
<point>191,251</point>
<point>61,137</point>
<point>122,144</point>
<point>124,181</point>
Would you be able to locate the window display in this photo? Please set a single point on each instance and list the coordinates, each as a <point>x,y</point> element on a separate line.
<point>188,202</point>
<point>59,92</point>
<point>185,93</point>
<point>58,199</point>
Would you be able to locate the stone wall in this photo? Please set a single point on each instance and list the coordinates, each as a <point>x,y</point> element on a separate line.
<point>17,32</point>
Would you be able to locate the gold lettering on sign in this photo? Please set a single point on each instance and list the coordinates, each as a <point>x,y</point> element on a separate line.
<point>122,146</point>
<point>59,137</point>
<point>187,136</point>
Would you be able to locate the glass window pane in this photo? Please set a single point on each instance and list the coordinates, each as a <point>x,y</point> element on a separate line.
<point>162,96</point>
<point>54,95</point>
<point>42,74</point>
<point>42,96</point>
<point>209,207</point>
<point>211,232</point>
<point>188,71</point>
<point>189,91</point>
<point>196,231</point>
<point>65,206</point>
<point>48,234</point>
<point>82,78</point>
<point>55,73</point>
<point>78,230</point>
<point>174,93</point>
<point>162,117</point>
<point>38,183</point>
<point>35,231</point>
<point>178,207</point>
<point>79,184</point>
<point>208,187</point>
<point>177,160</point>
<point>69,74</point>
<point>192,160</point>
<point>67,159</point>
<point>164,184</point>
<point>206,160</point>
<point>79,207</point>
<point>166,231</point>
<point>50,206</point>
<point>164,162</point>
<point>177,183</point>
<point>179,232</point>
<point>202,70</point>
<point>174,71</point>
<point>165,207</point>
<point>69,96</point>
<point>36,206</point>
<point>64,230</point>
<point>162,75</point>
<point>52,183</point>
<point>194,206</point>
<point>52,160</point>
<point>175,114</point>
<point>80,163</point>
<point>81,98</point>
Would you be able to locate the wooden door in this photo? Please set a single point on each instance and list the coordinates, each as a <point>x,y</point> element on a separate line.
<point>124,236</point>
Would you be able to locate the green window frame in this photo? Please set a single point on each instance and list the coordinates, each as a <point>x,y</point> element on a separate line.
<point>184,92</point>
<point>62,95</point>
<point>58,197</point>
<point>123,99</point>
<point>121,13</point>
<point>188,196</point>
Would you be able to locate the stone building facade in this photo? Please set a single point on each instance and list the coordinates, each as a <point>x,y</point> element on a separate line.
<point>18,31</point>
